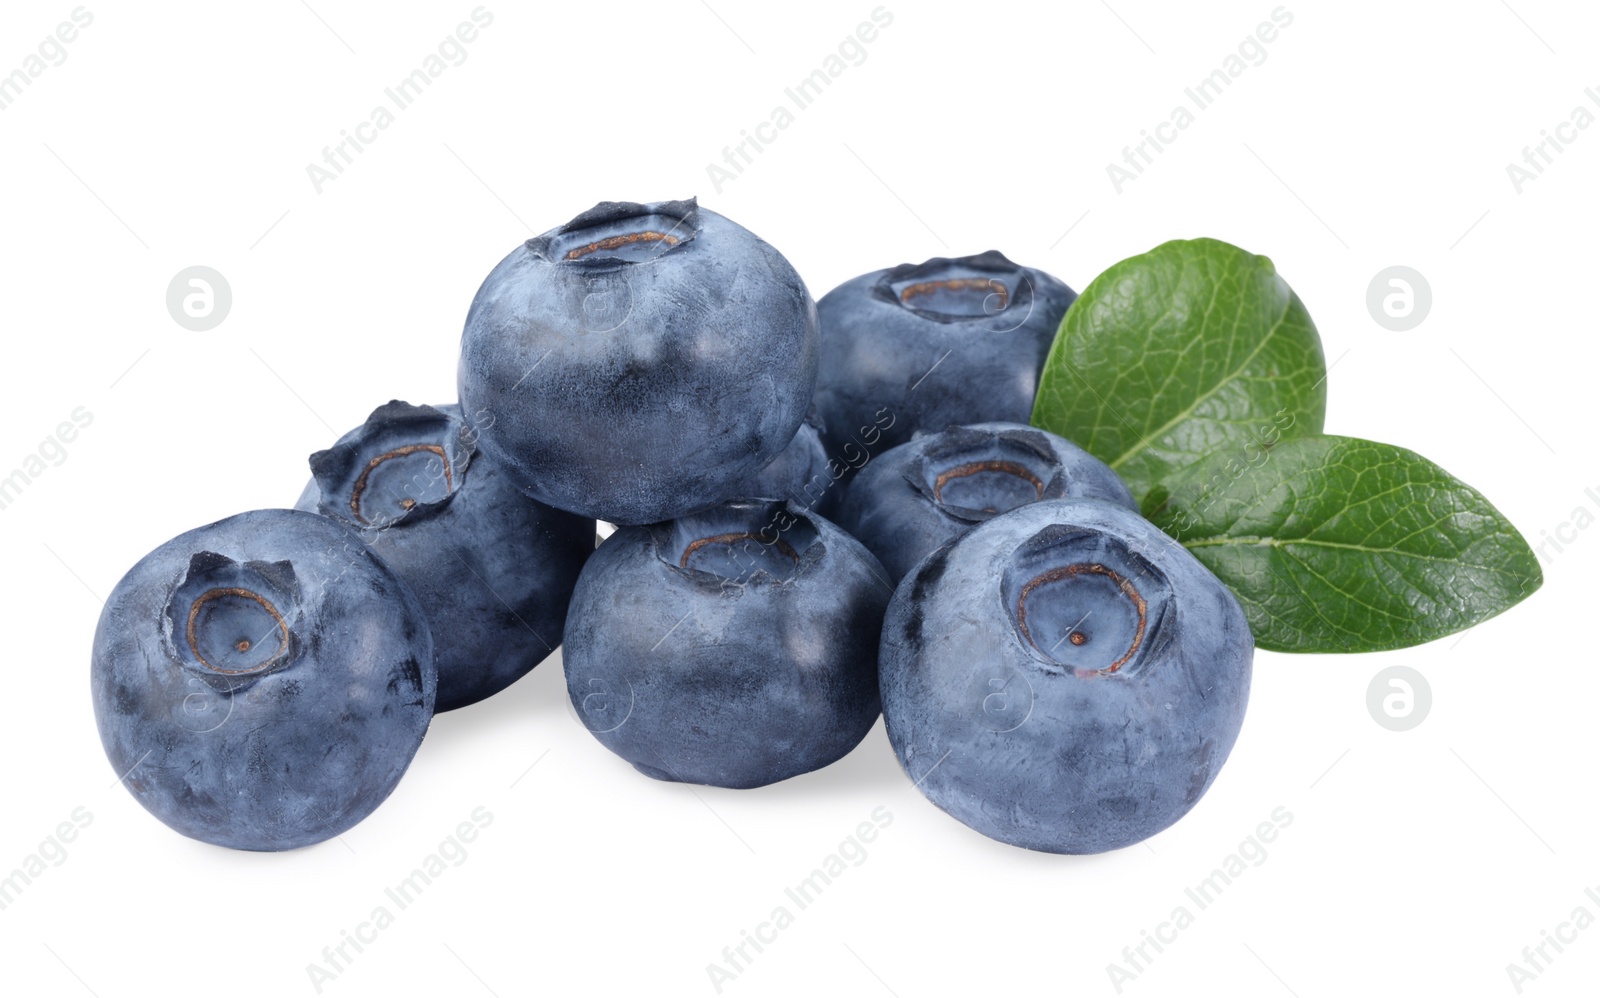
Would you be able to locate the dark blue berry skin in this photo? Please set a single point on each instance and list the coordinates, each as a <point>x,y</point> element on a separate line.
<point>492,568</point>
<point>262,682</point>
<point>1064,677</point>
<point>640,362</point>
<point>942,343</point>
<point>735,647</point>
<point>801,473</point>
<point>924,494</point>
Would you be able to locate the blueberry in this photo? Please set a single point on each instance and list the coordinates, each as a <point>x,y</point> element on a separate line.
<point>942,343</point>
<point>492,568</point>
<point>1064,677</point>
<point>921,495</point>
<point>263,681</point>
<point>640,361</point>
<point>800,473</point>
<point>734,647</point>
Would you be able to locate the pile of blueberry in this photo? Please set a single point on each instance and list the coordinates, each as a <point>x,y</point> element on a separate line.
<point>825,511</point>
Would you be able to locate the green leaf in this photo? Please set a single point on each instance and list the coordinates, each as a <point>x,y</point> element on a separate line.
<point>1194,347</point>
<point>1338,544</point>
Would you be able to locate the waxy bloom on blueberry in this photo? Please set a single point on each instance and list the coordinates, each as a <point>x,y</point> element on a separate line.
<point>492,568</point>
<point>262,682</point>
<point>640,362</point>
<point>941,343</point>
<point>1064,677</point>
<point>926,493</point>
<point>734,647</point>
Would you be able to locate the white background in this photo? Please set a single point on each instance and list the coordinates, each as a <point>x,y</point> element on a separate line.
<point>1373,134</point>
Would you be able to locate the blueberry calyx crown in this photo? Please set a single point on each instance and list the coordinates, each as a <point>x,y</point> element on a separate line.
<point>618,233</point>
<point>1079,633</point>
<point>403,463</point>
<point>234,619</point>
<point>1087,602</point>
<point>974,474</point>
<point>986,286</point>
<point>739,543</point>
<point>741,538</point>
